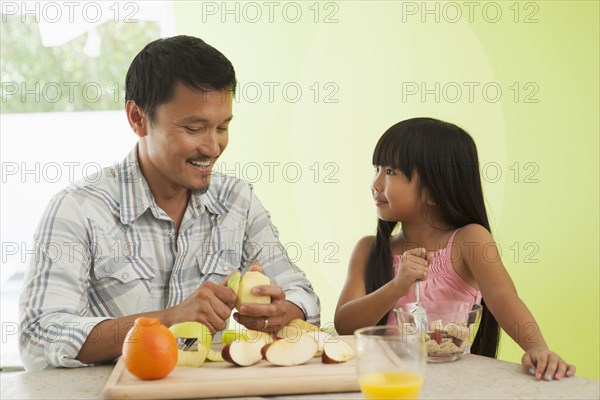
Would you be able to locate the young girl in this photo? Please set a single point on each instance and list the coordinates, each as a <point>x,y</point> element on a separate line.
<point>427,179</point>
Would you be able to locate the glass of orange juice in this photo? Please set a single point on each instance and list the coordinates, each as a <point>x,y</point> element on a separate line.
<point>390,364</point>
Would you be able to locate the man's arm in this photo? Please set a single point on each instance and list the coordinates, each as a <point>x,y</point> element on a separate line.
<point>210,305</point>
<point>59,328</point>
<point>105,341</point>
<point>54,301</point>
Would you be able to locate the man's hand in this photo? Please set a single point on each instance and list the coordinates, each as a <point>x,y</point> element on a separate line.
<point>267,317</point>
<point>210,305</point>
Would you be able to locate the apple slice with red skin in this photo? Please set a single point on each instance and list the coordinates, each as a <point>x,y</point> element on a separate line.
<point>291,352</point>
<point>243,353</point>
<point>336,351</point>
<point>263,350</point>
<point>320,337</point>
<point>437,336</point>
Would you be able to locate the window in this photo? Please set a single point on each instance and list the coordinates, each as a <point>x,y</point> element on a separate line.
<point>63,66</point>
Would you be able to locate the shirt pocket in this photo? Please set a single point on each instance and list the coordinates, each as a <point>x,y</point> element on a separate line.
<point>216,265</point>
<point>126,281</point>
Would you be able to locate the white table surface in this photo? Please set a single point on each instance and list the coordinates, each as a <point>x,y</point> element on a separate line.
<point>472,377</point>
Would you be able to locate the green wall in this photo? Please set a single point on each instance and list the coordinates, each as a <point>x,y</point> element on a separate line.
<point>317,89</point>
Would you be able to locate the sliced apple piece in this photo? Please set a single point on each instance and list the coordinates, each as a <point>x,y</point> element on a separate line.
<point>248,335</point>
<point>295,328</point>
<point>437,336</point>
<point>291,352</point>
<point>290,332</point>
<point>247,282</point>
<point>229,336</point>
<point>243,353</point>
<point>214,355</point>
<point>263,350</point>
<point>192,330</point>
<point>336,352</point>
<point>305,326</point>
<point>253,336</point>
<point>191,358</point>
<point>319,337</point>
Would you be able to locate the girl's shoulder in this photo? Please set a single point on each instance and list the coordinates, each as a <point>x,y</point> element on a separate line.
<point>361,251</point>
<point>472,248</point>
<point>472,236</point>
<point>364,245</point>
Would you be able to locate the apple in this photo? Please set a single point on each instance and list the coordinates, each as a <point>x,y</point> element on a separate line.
<point>298,327</point>
<point>192,330</point>
<point>243,353</point>
<point>295,328</point>
<point>319,337</point>
<point>263,350</point>
<point>253,336</point>
<point>285,352</point>
<point>335,352</point>
<point>247,282</point>
<point>305,326</point>
<point>233,282</point>
<point>230,335</point>
<point>214,355</point>
<point>437,336</point>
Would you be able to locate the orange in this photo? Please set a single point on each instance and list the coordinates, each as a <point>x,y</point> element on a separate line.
<point>149,349</point>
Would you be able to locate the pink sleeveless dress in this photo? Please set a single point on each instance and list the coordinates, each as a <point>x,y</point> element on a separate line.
<point>442,284</point>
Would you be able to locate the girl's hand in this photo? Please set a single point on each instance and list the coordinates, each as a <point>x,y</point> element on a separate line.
<point>545,364</point>
<point>413,266</point>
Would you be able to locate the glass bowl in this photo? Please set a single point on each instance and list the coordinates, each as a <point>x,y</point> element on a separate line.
<point>450,331</point>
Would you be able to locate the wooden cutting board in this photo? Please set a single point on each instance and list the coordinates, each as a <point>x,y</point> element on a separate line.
<point>221,379</point>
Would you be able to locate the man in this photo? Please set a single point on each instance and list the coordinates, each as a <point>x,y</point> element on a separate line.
<point>158,234</point>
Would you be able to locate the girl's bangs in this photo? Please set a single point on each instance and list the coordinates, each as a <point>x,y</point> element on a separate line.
<point>393,150</point>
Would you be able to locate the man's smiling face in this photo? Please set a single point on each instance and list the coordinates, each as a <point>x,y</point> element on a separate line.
<point>186,137</point>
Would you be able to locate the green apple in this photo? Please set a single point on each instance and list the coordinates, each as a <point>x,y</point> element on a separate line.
<point>229,336</point>
<point>248,281</point>
<point>214,355</point>
<point>233,282</point>
<point>248,335</point>
<point>192,330</point>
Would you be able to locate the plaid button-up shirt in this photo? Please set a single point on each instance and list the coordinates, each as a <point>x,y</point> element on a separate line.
<point>104,249</point>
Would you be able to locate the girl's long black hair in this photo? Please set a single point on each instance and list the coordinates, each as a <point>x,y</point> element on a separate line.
<point>445,158</point>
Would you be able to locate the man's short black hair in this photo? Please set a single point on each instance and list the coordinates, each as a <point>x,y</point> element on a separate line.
<point>163,63</point>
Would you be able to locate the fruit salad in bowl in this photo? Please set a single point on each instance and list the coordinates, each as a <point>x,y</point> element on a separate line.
<point>450,329</point>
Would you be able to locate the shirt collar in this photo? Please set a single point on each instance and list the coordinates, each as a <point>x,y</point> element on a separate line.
<point>210,200</point>
<point>135,192</point>
<point>136,196</point>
